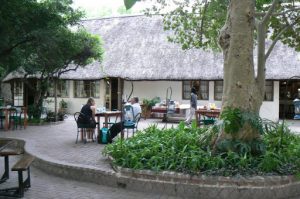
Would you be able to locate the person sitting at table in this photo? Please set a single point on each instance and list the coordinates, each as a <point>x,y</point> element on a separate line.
<point>87,117</point>
<point>116,128</point>
<point>193,104</point>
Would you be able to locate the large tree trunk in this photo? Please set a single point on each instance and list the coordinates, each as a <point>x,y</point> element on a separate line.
<point>241,88</point>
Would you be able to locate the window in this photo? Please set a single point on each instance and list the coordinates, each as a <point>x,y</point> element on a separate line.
<point>18,94</point>
<point>86,88</point>
<point>268,91</point>
<point>62,88</point>
<point>201,87</point>
<point>218,90</point>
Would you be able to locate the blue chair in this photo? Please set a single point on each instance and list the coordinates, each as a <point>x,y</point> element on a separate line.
<point>132,124</point>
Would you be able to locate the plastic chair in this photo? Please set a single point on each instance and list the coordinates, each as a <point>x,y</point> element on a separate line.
<point>132,124</point>
<point>81,127</point>
<point>15,117</point>
<point>2,118</point>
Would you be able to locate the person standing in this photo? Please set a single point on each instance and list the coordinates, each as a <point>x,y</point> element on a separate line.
<point>193,106</point>
<point>87,117</point>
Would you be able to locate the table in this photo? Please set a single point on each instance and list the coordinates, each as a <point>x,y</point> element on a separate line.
<point>7,111</point>
<point>162,109</point>
<point>3,145</point>
<point>213,113</point>
<point>106,115</point>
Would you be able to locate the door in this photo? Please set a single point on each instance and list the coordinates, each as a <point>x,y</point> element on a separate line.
<point>114,93</point>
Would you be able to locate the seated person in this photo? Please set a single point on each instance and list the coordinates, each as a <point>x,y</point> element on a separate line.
<point>87,118</point>
<point>116,128</point>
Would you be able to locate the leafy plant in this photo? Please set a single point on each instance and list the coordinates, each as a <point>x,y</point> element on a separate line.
<point>63,104</point>
<point>148,103</point>
<point>235,119</point>
<point>187,149</point>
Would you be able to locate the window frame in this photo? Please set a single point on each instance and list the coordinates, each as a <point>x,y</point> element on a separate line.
<point>59,89</point>
<point>87,84</point>
<point>187,84</point>
<point>270,92</point>
<point>18,96</point>
<point>219,92</point>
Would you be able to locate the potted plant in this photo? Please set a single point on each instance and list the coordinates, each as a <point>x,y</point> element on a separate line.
<point>147,106</point>
<point>63,105</point>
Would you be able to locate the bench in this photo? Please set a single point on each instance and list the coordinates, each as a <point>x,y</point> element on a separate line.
<point>6,153</point>
<point>22,165</point>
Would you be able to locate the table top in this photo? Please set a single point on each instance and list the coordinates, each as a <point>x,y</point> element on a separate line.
<point>210,110</point>
<point>4,143</point>
<point>108,113</point>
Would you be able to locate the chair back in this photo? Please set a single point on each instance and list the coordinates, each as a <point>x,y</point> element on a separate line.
<point>128,112</point>
<point>137,119</point>
<point>76,116</point>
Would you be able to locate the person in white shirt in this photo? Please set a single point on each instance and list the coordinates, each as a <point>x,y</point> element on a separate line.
<point>116,128</point>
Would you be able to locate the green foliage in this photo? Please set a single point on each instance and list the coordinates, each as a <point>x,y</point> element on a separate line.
<point>34,112</point>
<point>196,24</point>
<point>235,119</point>
<point>188,150</point>
<point>151,102</point>
<point>129,3</point>
<point>63,104</point>
<point>33,21</point>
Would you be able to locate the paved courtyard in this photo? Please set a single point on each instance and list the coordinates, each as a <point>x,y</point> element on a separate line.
<point>56,143</point>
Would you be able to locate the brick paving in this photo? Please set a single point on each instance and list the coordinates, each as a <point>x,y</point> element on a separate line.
<point>56,143</point>
<point>45,186</point>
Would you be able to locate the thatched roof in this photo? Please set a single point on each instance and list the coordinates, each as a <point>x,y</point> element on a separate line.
<point>136,47</point>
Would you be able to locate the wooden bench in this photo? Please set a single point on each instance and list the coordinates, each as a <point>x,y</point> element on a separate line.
<point>6,153</point>
<point>22,165</point>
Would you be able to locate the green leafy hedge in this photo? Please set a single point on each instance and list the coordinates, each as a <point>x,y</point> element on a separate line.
<point>188,150</point>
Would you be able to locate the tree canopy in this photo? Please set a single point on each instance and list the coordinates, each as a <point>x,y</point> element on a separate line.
<point>39,31</point>
<point>197,23</point>
<point>44,38</point>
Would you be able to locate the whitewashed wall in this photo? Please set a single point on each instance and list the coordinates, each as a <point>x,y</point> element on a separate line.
<point>270,109</point>
<point>151,89</point>
<point>75,104</point>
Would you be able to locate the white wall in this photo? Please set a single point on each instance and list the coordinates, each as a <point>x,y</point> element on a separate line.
<point>270,109</point>
<point>75,104</point>
<point>151,89</point>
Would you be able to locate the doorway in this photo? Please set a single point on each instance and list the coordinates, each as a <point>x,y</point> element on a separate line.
<point>114,93</point>
<point>288,92</point>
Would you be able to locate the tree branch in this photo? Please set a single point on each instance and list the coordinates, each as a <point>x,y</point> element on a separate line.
<point>270,11</point>
<point>260,14</point>
<point>8,50</point>
<point>278,37</point>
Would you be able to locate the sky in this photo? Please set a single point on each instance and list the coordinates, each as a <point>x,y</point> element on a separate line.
<point>100,8</point>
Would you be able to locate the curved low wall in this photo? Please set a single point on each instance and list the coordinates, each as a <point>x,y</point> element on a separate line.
<point>176,184</point>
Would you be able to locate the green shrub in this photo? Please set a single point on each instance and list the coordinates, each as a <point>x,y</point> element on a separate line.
<point>188,150</point>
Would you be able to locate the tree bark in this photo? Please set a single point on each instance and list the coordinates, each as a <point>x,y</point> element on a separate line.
<point>240,88</point>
